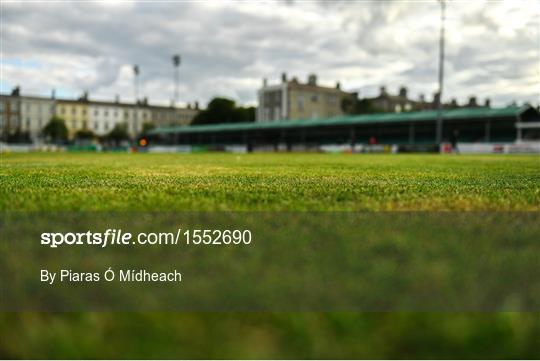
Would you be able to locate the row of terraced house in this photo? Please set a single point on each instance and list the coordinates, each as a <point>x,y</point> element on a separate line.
<point>30,114</point>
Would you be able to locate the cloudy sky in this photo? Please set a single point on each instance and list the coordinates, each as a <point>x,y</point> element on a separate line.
<point>493,48</point>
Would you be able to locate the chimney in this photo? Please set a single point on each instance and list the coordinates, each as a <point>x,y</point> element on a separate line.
<point>487,103</point>
<point>283,77</point>
<point>53,94</point>
<point>472,101</point>
<point>189,105</point>
<point>383,90</point>
<point>403,92</point>
<point>422,98</point>
<point>454,103</point>
<point>84,96</point>
<point>197,105</point>
<point>117,99</point>
<point>436,98</point>
<point>265,82</point>
<point>16,91</point>
<point>145,101</point>
<point>312,79</point>
<point>338,85</point>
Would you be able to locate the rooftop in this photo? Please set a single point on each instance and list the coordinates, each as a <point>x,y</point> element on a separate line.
<point>421,116</point>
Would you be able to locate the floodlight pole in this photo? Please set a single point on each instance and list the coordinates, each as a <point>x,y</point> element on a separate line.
<point>441,77</point>
<point>136,82</point>
<point>176,63</point>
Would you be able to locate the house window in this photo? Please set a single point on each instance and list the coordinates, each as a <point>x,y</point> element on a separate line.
<point>300,102</point>
<point>73,123</point>
<point>96,125</point>
<point>332,99</point>
<point>277,113</point>
<point>314,98</point>
<point>74,111</point>
<point>106,126</point>
<point>96,112</point>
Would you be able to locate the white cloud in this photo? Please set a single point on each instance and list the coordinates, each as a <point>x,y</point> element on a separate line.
<point>227,48</point>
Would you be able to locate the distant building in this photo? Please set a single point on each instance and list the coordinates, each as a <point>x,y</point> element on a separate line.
<point>397,103</point>
<point>170,116</point>
<point>294,100</point>
<point>74,113</point>
<point>10,113</point>
<point>35,114</point>
<point>30,114</point>
<point>104,116</point>
<point>400,102</point>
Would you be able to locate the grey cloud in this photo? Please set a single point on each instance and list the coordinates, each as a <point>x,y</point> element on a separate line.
<point>222,42</point>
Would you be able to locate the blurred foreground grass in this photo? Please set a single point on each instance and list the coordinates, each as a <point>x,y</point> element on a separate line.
<point>314,182</point>
<point>270,335</point>
<point>47,182</point>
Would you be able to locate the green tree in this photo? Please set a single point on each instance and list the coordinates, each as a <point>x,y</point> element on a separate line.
<point>84,135</point>
<point>19,137</point>
<point>118,133</point>
<point>359,106</point>
<point>223,110</point>
<point>147,126</point>
<point>56,130</point>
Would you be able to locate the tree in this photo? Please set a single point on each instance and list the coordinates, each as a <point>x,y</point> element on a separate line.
<point>84,135</point>
<point>56,130</point>
<point>19,137</point>
<point>359,106</point>
<point>118,133</point>
<point>223,110</point>
<point>147,126</point>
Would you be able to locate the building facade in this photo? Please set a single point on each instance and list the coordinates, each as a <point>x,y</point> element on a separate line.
<point>10,114</point>
<point>74,113</point>
<point>294,100</point>
<point>35,114</point>
<point>30,114</point>
<point>171,116</point>
<point>104,116</point>
<point>400,102</point>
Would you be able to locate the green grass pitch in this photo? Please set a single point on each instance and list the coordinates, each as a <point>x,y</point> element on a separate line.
<point>318,182</point>
<point>277,182</point>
